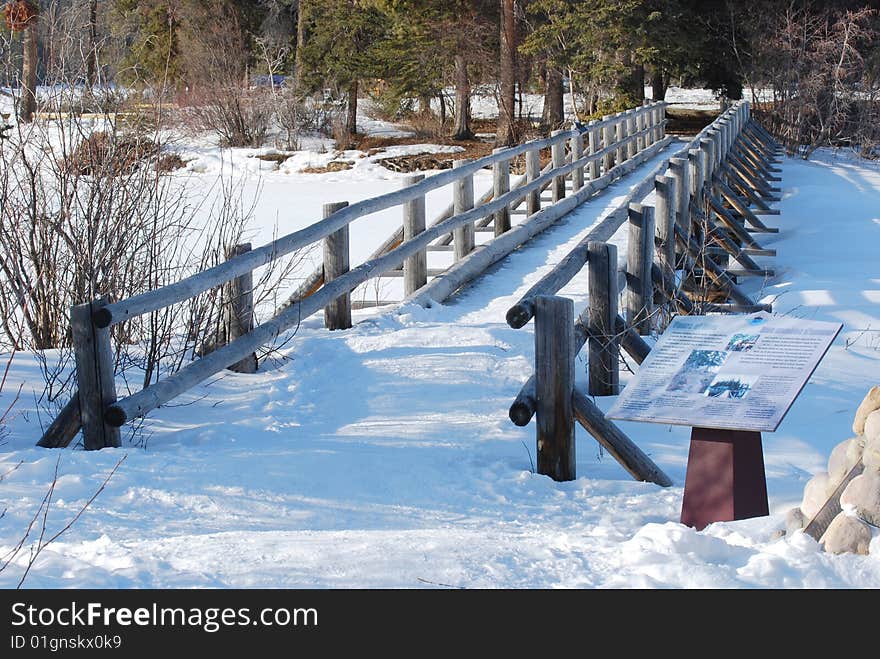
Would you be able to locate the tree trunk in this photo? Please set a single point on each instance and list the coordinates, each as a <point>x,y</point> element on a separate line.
<point>506,133</point>
<point>29,73</point>
<point>658,84</point>
<point>554,114</point>
<point>638,75</point>
<point>92,55</point>
<point>630,85</point>
<point>462,130</point>
<point>351,119</point>
<point>300,45</point>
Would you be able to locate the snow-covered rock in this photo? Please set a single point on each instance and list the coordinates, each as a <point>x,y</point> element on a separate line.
<point>847,534</point>
<point>843,458</point>
<point>795,520</point>
<point>816,494</point>
<point>872,425</point>
<point>871,454</point>
<point>863,495</point>
<point>870,403</point>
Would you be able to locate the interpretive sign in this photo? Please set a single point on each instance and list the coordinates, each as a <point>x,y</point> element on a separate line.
<point>726,372</point>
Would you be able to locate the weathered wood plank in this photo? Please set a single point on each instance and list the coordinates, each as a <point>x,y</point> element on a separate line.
<point>533,169</point>
<point>576,146</point>
<point>239,311</point>
<point>604,369</point>
<point>463,240</point>
<point>94,376</point>
<point>337,313</point>
<point>593,132</point>
<point>415,268</point>
<point>640,258</point>
<point>554,379</point>
<point>65,427</point>
<point>664,217</point>
<point>501,186</point>
<point>557,154</point>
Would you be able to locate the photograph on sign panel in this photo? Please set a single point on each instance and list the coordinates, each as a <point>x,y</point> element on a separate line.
<point>698,371</point>
<point>742,342</point>
<point>731,386</point>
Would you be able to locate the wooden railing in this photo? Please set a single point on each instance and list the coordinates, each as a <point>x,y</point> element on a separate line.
<point>685,254</point>
<point>583,162</point>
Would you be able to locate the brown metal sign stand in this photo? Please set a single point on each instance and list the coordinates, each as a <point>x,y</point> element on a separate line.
<point>725,478</point>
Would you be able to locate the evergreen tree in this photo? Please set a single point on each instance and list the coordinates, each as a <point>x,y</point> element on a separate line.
<point>341,36</point>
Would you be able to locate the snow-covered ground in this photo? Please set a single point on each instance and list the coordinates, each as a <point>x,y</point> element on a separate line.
<point>382,456</point>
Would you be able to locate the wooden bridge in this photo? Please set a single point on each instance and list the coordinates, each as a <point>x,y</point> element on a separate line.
<point>707,206</point>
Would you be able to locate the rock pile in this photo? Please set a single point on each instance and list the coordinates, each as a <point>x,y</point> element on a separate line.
<point>851,530</point>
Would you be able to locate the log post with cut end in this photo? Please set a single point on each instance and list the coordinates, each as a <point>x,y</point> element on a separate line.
<point>576,144</point>
<point>337,314</point>
<point>463,236</point>
<point>65,427</point>
<point>664,217</point>
<point>603,343</point>
<point>415,268</point>
<point>640,258</point>
<point>608,138</point>
<point>239,310</point>
<point>554,379</point>
<point>500,186</point>
<point>94,376</point>
<point>680,173</point>
<point>558,155</point>
<point>594,137</point>
<point>533,171</point>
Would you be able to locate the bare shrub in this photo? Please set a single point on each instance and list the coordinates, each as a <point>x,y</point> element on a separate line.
<point>426,125</point>
<point>817,66</point>
<point>219,97</point>
<point>343,137</point>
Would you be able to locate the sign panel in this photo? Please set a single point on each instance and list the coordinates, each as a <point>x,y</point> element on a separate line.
<point>727,372</point>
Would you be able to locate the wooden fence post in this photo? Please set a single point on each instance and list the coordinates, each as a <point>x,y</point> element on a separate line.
<point>576,145</point>
<point>94,375</point>
<point>554,379</point>
<point>608,137</point>
<point>557,151</point>
<point>640,258</point>
<point>679,171</point>
<point>533,171</point>
<point>463,200</point>
<point>500,186</point>
<point>239,310</point>
<point>707,157</point>
<point>415,268</point>
<point>594,136</point>
<point>695,160</point>
<point>664,216</point>
<point>661,121</point>
<point>337,314</point>
<point>632,127</point>
<point>621,136</point>
<point>604,374</point>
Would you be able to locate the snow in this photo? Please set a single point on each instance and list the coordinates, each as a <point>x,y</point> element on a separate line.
<point>382,456</point>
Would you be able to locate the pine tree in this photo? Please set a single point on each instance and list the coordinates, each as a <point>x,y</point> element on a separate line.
<point>339,47</point>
